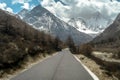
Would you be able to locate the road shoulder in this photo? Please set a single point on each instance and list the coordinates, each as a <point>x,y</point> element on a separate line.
<point>94,67</point>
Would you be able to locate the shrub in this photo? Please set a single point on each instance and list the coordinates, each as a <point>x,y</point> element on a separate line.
<point>11,55</point>
<point>70,43</point>
<point>86,49</point>
<point>33,50</point>
<point>118,53</point>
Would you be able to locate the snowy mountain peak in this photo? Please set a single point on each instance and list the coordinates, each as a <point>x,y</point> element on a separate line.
<point>81,26</point>
<point>92,26</point>
<point>78,23</point>
<point>38,9</point>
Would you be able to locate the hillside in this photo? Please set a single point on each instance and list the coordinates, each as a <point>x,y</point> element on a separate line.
<point>18,40</point>
<point>109,40</point>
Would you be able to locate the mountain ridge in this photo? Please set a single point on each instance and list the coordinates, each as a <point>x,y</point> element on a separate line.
<point>111,31</point>
<point>44,20</point>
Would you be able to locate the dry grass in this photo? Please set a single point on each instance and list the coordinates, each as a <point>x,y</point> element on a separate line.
<point>95,68</point>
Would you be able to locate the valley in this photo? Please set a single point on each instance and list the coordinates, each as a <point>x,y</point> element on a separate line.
<point>60,40</point>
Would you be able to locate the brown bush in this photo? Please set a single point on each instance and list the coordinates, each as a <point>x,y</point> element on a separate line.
<point>11,55</point>
<point>86,49</point>
<point>117,55</point>
<point>70,43</point>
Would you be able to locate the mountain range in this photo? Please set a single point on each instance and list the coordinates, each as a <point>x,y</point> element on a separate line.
<point>81,30</point>
<point>92,26</point>
<point>43,20</point>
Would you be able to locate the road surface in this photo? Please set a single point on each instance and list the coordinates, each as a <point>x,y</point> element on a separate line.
<point>62,66</point>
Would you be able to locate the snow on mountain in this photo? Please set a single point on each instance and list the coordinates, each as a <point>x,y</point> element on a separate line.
<point>92,26</point>
<point>80,25</point>
<point>45,21</point>
<point>97,14</point>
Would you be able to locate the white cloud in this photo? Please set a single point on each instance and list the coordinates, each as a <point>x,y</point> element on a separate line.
<point>26,6</point>
<point>102,0</point>
<point>20,1</point>
<point>9,10</point>
<point>32,6</point>
<point>48,2</point>
<point>80,8</point>
<point>25,3</point>
<point>3,6</point>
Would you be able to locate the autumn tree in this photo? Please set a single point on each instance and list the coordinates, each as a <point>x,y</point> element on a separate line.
<point>70,44</point>
<point>57,43</point>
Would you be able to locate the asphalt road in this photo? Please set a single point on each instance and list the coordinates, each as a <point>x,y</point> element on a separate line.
<point>62,66</point>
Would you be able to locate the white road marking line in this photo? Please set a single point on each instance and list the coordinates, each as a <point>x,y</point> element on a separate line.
<point>90,72</point>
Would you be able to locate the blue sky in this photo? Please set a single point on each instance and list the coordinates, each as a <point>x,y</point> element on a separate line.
<point>17,5</point>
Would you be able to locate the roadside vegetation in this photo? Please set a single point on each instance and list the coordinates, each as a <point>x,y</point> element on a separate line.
<point>19,41</point>
<point>111,68</point>
<point>85,49</point>
<point>110,46</point>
